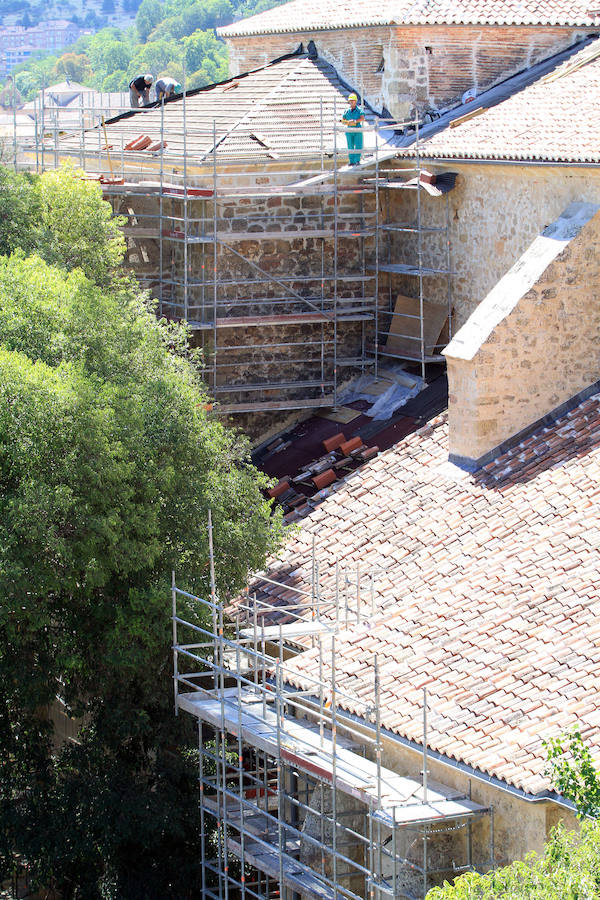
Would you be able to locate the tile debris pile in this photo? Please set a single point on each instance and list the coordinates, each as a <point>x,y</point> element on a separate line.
<point>487,591</point>
<point>313,15</point>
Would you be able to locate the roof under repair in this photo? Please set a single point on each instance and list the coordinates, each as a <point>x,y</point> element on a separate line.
<point>485,591</point>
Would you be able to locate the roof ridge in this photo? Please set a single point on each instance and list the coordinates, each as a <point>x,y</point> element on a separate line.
<point>303,15</point>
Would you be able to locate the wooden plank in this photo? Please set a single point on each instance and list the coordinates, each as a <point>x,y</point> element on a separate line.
<point>264,321</point>
<point>136,231</point>
<point>405,328</point>
<point>305,234</point>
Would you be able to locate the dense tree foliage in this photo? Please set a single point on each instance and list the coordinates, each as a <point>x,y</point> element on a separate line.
<point>568,869</point>
<point>573,772</point>
<point>160,43</point>
<point>73,67</point>
<point>109,463</point>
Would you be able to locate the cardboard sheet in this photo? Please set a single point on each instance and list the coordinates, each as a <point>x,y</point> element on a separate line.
<point>403,328</point>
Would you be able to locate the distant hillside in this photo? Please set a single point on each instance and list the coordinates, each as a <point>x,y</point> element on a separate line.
<point>175,37</point>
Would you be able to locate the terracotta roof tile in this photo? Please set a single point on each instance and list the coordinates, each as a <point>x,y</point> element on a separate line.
<point>486,591</point>
<point>313,15</point>
<point>273,110</point>
<point>544,121</point>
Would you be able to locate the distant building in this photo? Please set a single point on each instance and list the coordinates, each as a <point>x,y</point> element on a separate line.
<point>10,96</point>
<point>18,43</point>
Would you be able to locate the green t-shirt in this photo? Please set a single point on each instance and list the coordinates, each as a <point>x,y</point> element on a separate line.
<point>351,115</point>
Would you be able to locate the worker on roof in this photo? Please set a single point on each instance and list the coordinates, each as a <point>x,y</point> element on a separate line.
<point>353,119</point>
<point>166,88</point>
<point>139,89</point>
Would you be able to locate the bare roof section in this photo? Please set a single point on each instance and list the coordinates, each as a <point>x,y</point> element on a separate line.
<point>314,15</point>
<point>550,113</point>
<point>486,593</point>
<point>272,111</point>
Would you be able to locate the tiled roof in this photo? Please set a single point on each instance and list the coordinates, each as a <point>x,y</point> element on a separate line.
<point>487,592</point>
<point>313,15</point>
<point>557,118</point>
<point>275,109</point>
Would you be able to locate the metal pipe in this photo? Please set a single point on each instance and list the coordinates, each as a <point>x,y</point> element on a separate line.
<point>425,745</point>
<point>160,208</point>
<point>333,765</point>
<point>335,250</point>
<point>377,239</point>
<point>213,598</point>
<point>174,626</point>
<point>185,202</point>
<point>420,255</point>
<point>14,106</point>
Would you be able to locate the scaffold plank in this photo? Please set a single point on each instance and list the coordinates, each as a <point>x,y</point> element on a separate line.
<point>308,318</point>
<point>298,742</point>
<point>291,630</point>
<point>274,405</point>
<point>403,269</point>
<point>296,875</point>
<point>269,386</point>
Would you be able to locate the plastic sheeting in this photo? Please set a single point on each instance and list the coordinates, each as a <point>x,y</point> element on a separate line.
<point>403,387</point>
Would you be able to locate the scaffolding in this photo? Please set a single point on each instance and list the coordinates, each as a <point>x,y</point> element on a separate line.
<point>213,230</point>
<point>294,798</point>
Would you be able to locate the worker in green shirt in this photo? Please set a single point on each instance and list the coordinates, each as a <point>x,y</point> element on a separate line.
<point>354,118</point>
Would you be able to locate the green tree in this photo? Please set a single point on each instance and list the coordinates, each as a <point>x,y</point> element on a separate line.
<point>573,772</point>
<point>116,81</point>
<point>109,463</point>
<point>205,59</point>
<point>72,67</point>
<point>198,16</point>
<point>33,75</point>
<point>77,228</point>
<point>568,869</point>
<point>154,57</point>
<point>148,16</point>
<point>20,209</point>
<point>108,51</point>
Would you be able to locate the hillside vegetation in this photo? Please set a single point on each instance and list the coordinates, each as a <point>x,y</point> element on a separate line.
<point>175,37</point>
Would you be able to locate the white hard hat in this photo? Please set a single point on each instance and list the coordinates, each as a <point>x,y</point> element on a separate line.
<point>148,79</point>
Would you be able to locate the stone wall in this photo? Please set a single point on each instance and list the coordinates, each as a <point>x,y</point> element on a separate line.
<point>520,825</point>
<point>495,212</point>
<point>413,67</point>
<point>257,277</point>
<point>533,342</point>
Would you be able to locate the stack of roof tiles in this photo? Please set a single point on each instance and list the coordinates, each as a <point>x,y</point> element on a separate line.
<point>487,592</point>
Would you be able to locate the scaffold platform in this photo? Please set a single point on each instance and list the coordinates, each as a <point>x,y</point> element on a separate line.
<point>398,799</point>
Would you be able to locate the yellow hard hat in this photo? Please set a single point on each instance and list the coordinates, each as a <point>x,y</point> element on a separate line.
<point>352,97</point>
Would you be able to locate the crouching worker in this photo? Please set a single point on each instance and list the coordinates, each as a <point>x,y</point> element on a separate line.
<point>166,88</point>
<point>353,118</point>
<point>139,89</point>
